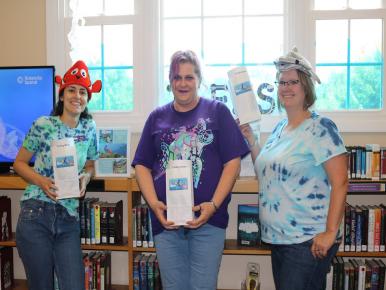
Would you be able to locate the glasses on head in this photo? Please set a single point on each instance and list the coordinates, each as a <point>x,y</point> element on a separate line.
<point>289,83</point>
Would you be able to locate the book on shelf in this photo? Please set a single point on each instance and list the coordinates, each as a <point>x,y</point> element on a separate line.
<point>6,218</point>
<point>248,225</point>
<point>115,222</point>
<point>367,187</point>
<point>6,268</point>
<point>97,270</point>
<point>146,275</point>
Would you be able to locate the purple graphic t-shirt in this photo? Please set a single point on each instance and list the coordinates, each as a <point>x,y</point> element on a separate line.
<point>207,135</point>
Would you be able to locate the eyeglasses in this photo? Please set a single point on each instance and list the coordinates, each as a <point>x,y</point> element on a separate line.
<point>290,83</point>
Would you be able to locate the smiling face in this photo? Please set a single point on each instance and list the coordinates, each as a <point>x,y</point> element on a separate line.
<point>291,96</point>
<point>74,100</point>
<point>185,85</point>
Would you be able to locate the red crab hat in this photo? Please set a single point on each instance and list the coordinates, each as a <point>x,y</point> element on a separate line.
<point>78,75</point>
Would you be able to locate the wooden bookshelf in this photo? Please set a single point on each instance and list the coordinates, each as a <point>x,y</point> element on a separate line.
<point>245,185</point>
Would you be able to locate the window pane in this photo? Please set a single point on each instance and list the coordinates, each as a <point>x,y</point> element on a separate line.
<point>222,7</point>
<point>96,101</point>
<point>253,7</point>
<point>366,87</point>
<point>368,4</point>
<point>118,45</point>
<point>86,7</point>
<point>330,4</point>
<point>181,8</point>
<point>85,42</point>
<point>119,7</point>
<point>331,41</point>
<point>223,45</point>
<point>332,92</point>
<point>366,40</point>
<point>118,89</point>
<point>181,34</point>
<point>262,47</point>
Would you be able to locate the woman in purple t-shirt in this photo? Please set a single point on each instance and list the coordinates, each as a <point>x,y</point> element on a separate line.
<point>203,131</point>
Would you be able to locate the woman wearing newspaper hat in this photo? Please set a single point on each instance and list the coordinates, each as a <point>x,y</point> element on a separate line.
<point>47,233</point>
<point>302,173</point>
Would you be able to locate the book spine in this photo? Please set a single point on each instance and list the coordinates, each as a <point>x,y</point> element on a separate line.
<point>377,228</point>
<point>150,229</point>
<point>97,212</point>
<point>370,237</point>
<point>358,231</point>
<point>383,162</point>
<point>134,225</point>
<point>347,228</point>
<point>139,227</point>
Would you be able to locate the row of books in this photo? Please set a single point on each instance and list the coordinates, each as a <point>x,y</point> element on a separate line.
<point>101,222</point>
<point>368,274</point>
<point>146,274</point>
<point>367,162</point>
<point>141,227</point>
<point>6,268</point>
<point>364,228</point>
<point>97,270</point>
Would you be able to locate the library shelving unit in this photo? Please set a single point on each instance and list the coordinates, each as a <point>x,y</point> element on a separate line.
<point>244,185</point>
<point>14,182</point>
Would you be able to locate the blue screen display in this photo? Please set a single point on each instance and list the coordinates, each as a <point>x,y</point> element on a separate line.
<point>26,93</point>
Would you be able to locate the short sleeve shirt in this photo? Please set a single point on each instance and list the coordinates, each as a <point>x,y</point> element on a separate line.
<point>294,188</point>
<point>38,141</point>
<point>207,135</point>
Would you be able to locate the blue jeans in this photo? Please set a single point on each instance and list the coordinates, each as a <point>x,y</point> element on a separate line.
<point>295,268</point>
<point>190,259</point>
<point>48,238</point>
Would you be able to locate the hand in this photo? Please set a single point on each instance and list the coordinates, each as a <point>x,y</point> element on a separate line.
<point>322,243</point>
<point>159,210</point>
<point>48,186</point>
<point>247,132</point>
<point>207,209</point>
<point>84,179</point>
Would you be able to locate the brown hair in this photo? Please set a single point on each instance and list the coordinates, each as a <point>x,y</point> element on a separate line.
<point>308,87</point>
<point>184,56</point>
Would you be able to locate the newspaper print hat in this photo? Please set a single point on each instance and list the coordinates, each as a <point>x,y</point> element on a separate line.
<point>294,60</point>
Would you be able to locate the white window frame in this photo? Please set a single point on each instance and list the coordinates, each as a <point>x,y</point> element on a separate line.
<point>299,30</point>
<point>145,59</point>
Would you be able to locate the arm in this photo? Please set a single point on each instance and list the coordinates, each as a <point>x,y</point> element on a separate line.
<point>145,182</point>
<point>228,178</point>
<point>336,169</point>
<point>31,176</point>
<point>253,143</point>
<point>86,176</point>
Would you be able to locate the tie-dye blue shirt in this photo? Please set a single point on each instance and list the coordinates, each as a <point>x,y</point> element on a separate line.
<point>294,188</point>
<point>208,135</point>
<point>38,141</point>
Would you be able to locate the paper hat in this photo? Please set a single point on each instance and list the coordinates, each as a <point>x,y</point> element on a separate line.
<point>78,75</point>
<point>294,60</point>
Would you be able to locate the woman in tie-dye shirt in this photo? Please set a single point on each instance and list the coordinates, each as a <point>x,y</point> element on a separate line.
<point>47,233</point>
<point>302,173</point>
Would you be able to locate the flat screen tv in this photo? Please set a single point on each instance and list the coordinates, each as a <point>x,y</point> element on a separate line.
<point>26,93</point>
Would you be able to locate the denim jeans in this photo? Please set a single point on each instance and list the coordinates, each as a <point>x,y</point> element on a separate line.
<point>295,268</point>
<point>190,259</point>
<point>47,238</point>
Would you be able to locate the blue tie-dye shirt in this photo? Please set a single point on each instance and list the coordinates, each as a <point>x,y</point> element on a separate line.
<point>294,188</point>
<point>38,141</point>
